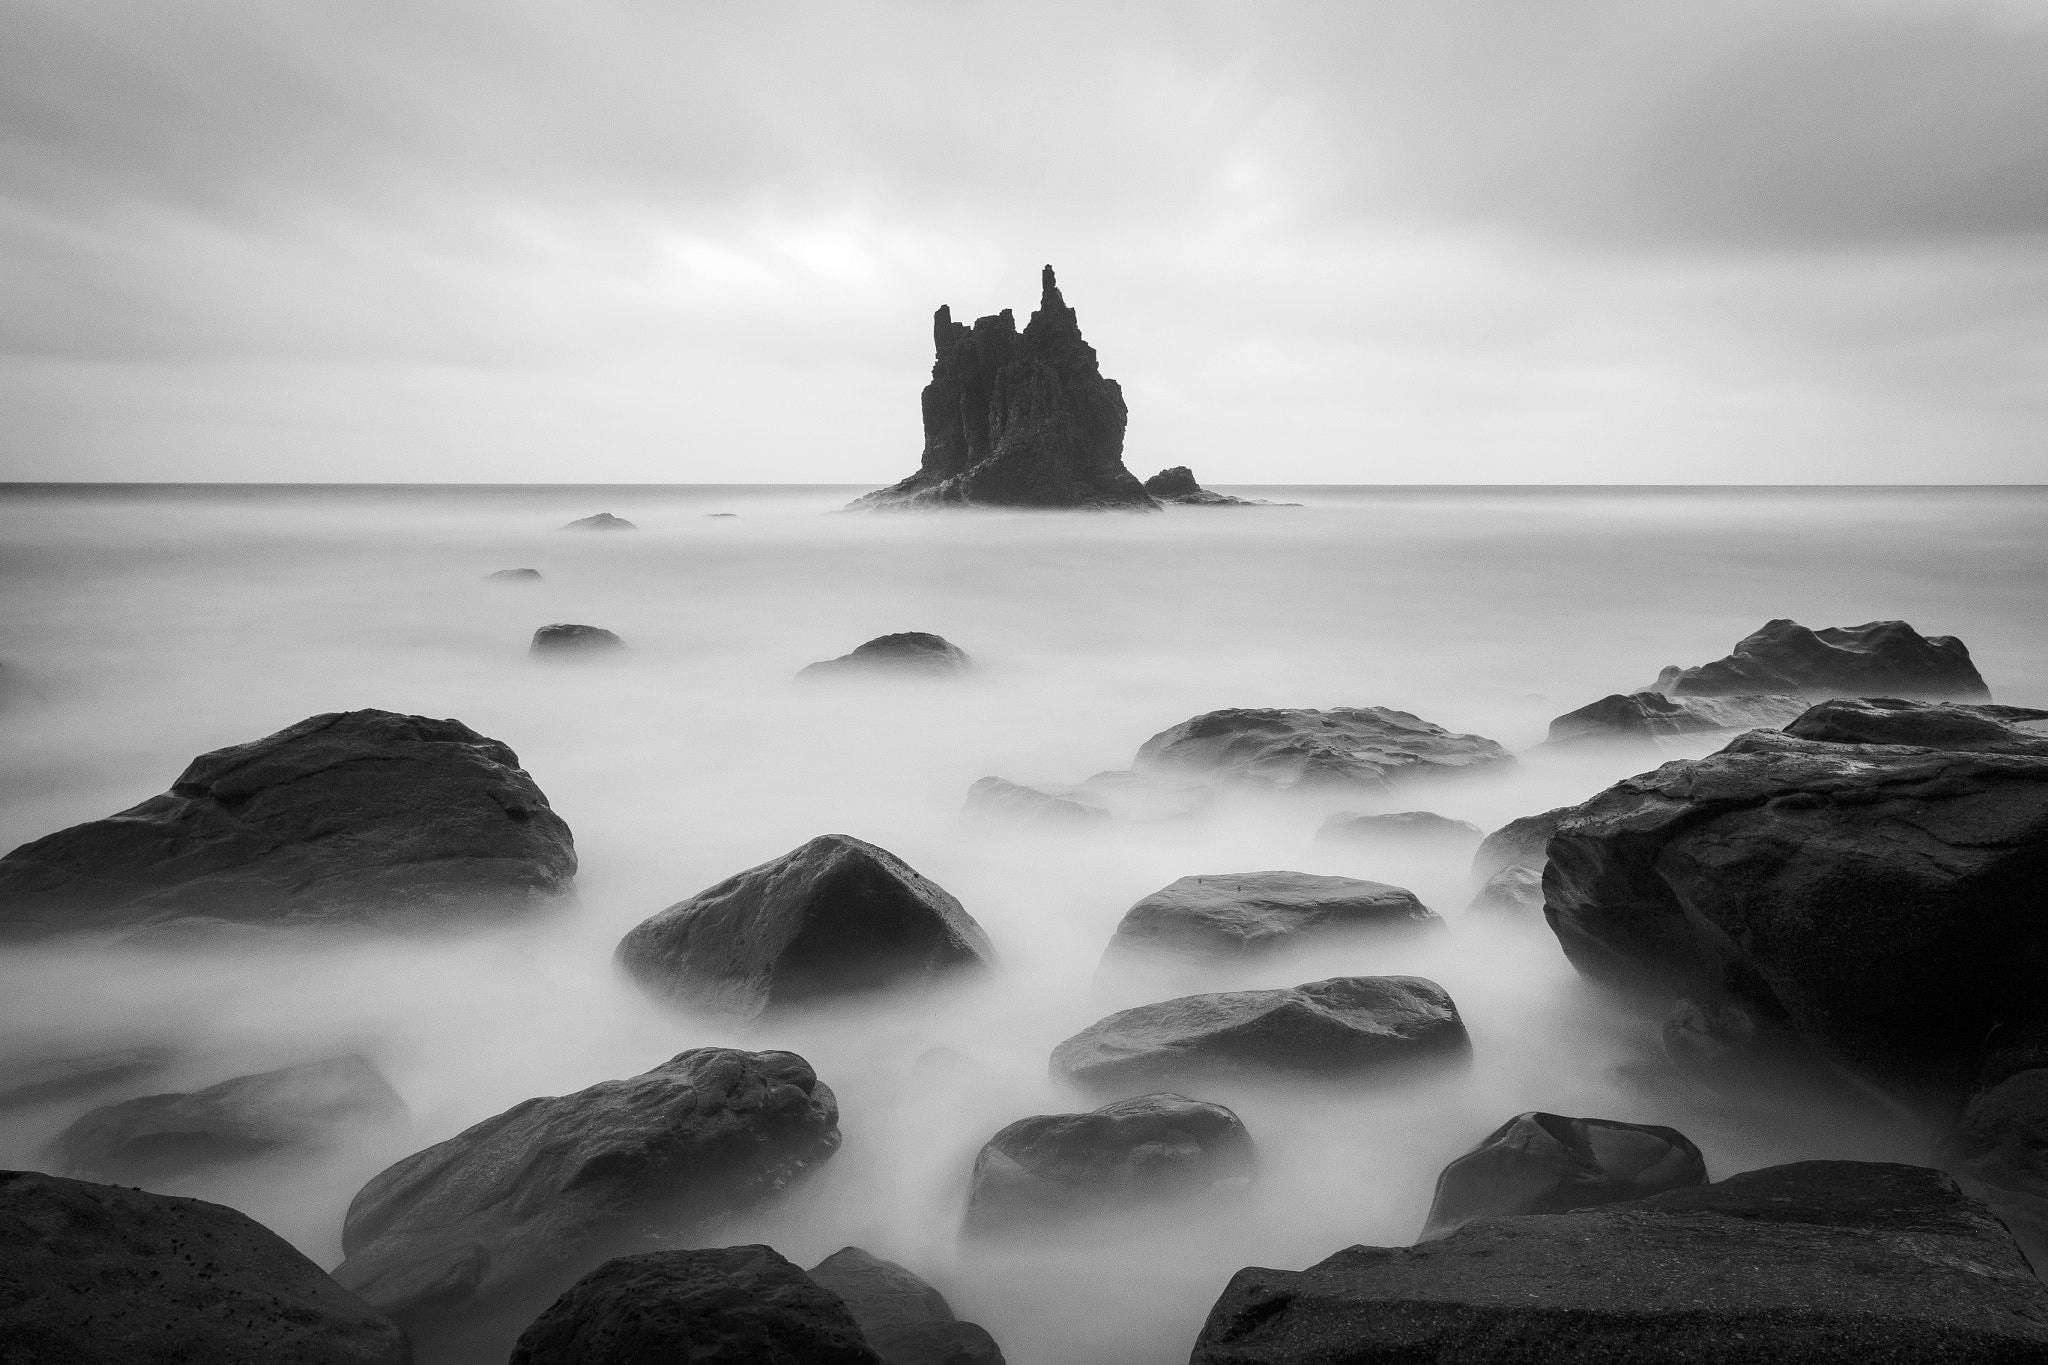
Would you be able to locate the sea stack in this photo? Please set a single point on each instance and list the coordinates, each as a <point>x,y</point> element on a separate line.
<point>1019,419</point>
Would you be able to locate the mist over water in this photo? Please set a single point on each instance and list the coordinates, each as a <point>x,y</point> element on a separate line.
<point>150,625</point>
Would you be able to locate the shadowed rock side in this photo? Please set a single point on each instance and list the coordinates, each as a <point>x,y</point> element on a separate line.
<point>602,521</point>
<point>1347,1024</point>
<point>1407,828</point>
<point>835,917</point>
<point>1018,419</point>
<point>1998,1146</point>
<point>350,817</point>
<point>1231,914</point>
<point>93,1274</point>
<point>1546,1163</point>
<point>914,653</point>
<point>741,1305</point>
<point>1367,748</point>
<point>464,1242</point>
<point>905,1320</point>
<point>1876,904</point>
<point>567,640</point>
<point>1052,1168</point>
<point>1646,717</point>
<point>1876,659</point>
<point>1818,1263</point>
<point>1508,867</point>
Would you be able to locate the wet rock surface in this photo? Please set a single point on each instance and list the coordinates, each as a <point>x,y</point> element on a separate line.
<point>838,916</point>
<point>1052,1168</point>
<point>1229,914</point>
<point>1367,748</point>
<point>566,639</point>
<point>1407,828</point>
<point>98,1273</point>
<point>1547,1163</point>
<point>905,1320</point>
<point>912,653</point>
<point>351,817</point>
<point>1876,659</point>
<point>1646,717</point>
<point>994,798</point>
<point>602,521</point>
<point>1835,1262</point>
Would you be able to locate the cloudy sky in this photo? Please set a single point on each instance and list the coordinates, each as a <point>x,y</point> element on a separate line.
<point>1369,241</point>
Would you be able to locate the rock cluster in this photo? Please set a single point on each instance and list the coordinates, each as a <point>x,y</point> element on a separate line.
<point>1876,659</point>
<point>1365,748</point>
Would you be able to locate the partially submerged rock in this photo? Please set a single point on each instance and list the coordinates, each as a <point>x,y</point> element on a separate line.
<point>1516,891</point>
<point>43,1080</point>
<point>1817,1263</point>
<point>602,521</point>
<point>1876,659</point>
<point>513,576</point>
<point>1412,829</point>
<point>1234,914</point>
<point>349,817</point>
<point>837,916</point>
<point>567,639</point>
<point>1547,1163</point>
<point>1345,1025</point>
<point>913,653</point>
<point>1368,748</point>
<point>905,1320</point>
<point>993,798</point>
<point>1052,1168</point>
<point>1508,867</point>
<point>1647,717</point>
<point>98,1273</point>
<point>1178,485</point>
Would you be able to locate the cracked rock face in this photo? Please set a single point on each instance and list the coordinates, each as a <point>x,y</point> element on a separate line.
<point>349,817</point>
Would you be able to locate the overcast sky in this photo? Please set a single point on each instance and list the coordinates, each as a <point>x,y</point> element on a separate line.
<point>1433,241</point>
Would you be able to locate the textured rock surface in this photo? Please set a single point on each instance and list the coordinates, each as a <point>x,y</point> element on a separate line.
<point>835,917</point>
<point>1876,659</point>
<point>1546,1163</point>
<point>1819,1263</point>
<point>465,1241</point>
<point>566,639</point>
<point>1367,747</point>
<point>1234,913</point>
<point>1342,1025</point>
<point>602,521</point>
<point>1407,828</point>
<point>93,1274</point>
<point>1927,725</point>
<point>156,1137</point>
<point>906,1320</point>
<point>514,576</point>
<point>351,816</point>
<point>913,653</point>
<point>1019,419</point>
<point>1053,1167</point>
<point>1879,904</point>
<point>993,798</point>
<point>1649,716</point>
<point>741,1305</point>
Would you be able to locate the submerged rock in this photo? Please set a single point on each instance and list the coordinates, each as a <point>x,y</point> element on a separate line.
<point>742,1305</point>
<point>1347,1024</point>
<point>98,1273</point>
<point>564,639</point>
<point>1368,748</point>
<point>349,817</point>
<point>993,798</point>
<point>1876,659</point>
<point>1509,864</point>
<point>1514,890</point>
<point>1234,914</point>
<point>1650,716</point>
<point>905,1320</point>
<point>465,1241</point>
<point>1817,1263</point>
<point>513,576</point>
<point>603,521</point>
<point>913,653</point>
<point>834,917</point>
<point>24,1083</point>
<point>159,1137</point>
<point>1018,419</point>
<point>1050,1168</point>
<point>1402,829</point>
<point>1546,1163</point>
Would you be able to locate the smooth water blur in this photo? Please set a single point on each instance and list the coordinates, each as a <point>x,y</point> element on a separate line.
<point>151,624</point>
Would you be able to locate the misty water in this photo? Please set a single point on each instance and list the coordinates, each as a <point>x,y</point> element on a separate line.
<point>145,626</point>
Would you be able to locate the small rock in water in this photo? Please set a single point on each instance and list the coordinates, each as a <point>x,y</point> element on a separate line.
<point>1177,485</point>
<point>1241,913</point>
<point>513,576</point>
<point>734,515</point>
<point>1509,864</point>
<point>570,641</point>
<point>1546,1163</point>
<point>1876,659</point>
<point>603,521</point>
<point>26,1083</point>
<point>993,798</point>
<point>1647,717</point>
<point>904,1319</point>
<point>1416,829</point>
<point>913,653</point>
<point>1366,748</point>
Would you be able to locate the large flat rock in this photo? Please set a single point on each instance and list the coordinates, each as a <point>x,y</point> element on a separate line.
<point>1347,748</point>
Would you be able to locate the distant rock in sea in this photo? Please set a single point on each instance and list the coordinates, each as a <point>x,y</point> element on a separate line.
<point>1642,717</point>
<point>1178,485</point>
<point>1367,747</point>
<point>1876,659</point>
<point>603,521</point>
<point>514,576</point>
<point>911,652</point>
<point>1018,419</point>
<point>564,639</point>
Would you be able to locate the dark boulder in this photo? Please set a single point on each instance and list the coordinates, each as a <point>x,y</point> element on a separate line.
<point>1367,748</point>
<point>24,1082</point>
<point>1546,1163</point>
<point>913,653</point>
<point>567,640</point>
<point>1019,419</point>
<point>1877,904</point>
<point>1926,725</point>
<point>741,1305</point>
<point>1876,659</point>
<point>1509,865</point>
<point>1347,1024</point>
<point>1052,1168</point>
<point>835,917</point>
<point>93,1274</point>
<point>343,818</point>
<point>906,1320</point>
<point>1818,1263</point>
<point>513,576</point>
<point>1646,717</point>
<point>1998,1146</point>
<point>158,1137</point>
<point>603,521</point>
<point>464,1242</point>
<point>1232,914</point>
<point>1411,829</point>
<point>1178,485</point>
<point>993,798</point>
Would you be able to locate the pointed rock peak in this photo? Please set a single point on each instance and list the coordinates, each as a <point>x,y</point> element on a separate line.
<point>1049,290</point>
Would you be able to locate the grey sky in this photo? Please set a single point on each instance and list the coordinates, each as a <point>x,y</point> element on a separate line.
<point>1438,241</point>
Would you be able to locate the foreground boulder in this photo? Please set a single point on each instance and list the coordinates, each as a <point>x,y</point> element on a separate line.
<point>602,521</point>
<point>1877,904</point>
<point>350,817</point>
<point>1410,829</point>
<point>905,1320</point>
<point>1646,717</point>
<point>566,639</point>
<point>97,1273</point>
<point>1876,659</point>
<point>914,653</point>
<point>513,576</point>
<point>1508,867</point>
<point>1367,748</point>
<point>1018,419</point>
<point>1818,1263</point>
<point>1051,1168</point>
<point>1546,1163</point>
<point>741,1305</point>
<point>464,1242</point>
<point>158,1137</point>
<point>838,916</point>
<point>994,798</point>
<point>1235,914</point>
<point>1345,1025</point>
